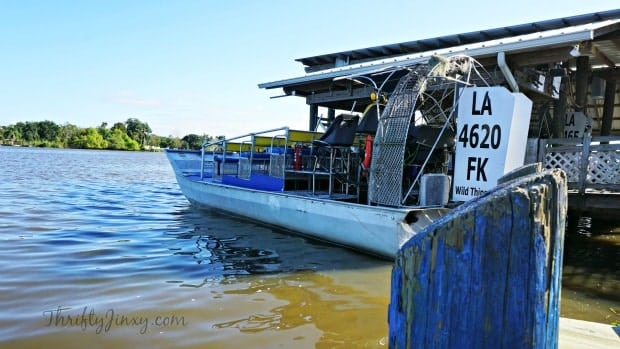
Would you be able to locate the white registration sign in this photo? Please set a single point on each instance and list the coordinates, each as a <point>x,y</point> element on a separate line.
<point>575,124</point>
<point>492,126</point>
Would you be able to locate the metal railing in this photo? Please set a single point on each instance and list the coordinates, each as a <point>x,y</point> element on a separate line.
<point>210,149</point>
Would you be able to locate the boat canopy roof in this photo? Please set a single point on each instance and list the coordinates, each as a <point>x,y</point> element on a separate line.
<point>330,79</point>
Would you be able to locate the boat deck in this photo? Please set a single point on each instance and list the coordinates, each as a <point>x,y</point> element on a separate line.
<point>323,194</point>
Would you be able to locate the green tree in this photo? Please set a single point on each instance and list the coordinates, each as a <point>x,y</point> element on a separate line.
<point>67,132</point>
<point>29,131</point>
<point>104,131</point>
<point>130,144</point>
<point>170,142</point>
<point>88,139</point>
<point>138,130</point>
<point>119,126</point>
<point>133,135</point>
<point>192,141</point>
<point>48,131</point>
<point>119,140</point>
<point>12,135</point>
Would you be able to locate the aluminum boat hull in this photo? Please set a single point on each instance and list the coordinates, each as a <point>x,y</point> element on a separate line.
<point>371,229</point>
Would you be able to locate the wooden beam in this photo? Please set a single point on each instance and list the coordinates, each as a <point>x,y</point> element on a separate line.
<point>314,117</point>
<point>596,52</point>
<point>581,88</point>
<point>331,114</point>
<point>616,43</point>
<point>607,74</point>
<point>337,96</point>
<point>608,107</point>
<point>559,109</point>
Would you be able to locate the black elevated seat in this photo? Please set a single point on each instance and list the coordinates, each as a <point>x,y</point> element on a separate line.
<point>340,133</point>
<point>333,153</point>
<point>370,120</point>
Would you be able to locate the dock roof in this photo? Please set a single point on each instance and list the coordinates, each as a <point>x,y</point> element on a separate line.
<point>596,35</point>
<point>326,61</point>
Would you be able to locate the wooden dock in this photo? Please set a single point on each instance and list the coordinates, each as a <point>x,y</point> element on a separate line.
<point>598,204</point>
<point>578,334</point>
<point>592,168</point>
<point>487,275</point>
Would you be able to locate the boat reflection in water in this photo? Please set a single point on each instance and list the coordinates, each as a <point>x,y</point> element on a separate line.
<point>265,287</point>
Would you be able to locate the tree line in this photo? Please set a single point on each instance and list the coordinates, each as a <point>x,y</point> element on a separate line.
<point>132,134</point>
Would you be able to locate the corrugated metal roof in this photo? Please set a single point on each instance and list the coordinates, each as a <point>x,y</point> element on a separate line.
<point>530,42</point>
<point>437,43</point>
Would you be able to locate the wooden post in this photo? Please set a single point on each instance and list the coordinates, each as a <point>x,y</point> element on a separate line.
<point>584,161</point>
<point>487,275</point>
<point>559,109</point>
<point>608,107</point>
<point>314,117</point>
<point>331,114</point>
<point>581,88</point>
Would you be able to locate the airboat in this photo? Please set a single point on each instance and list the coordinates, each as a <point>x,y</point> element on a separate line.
<point>370,182</point>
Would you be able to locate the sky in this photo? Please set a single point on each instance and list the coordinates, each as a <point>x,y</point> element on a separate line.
<point>189,66</point>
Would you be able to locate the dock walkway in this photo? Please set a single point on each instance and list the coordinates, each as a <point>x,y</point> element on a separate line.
<point>578,334</point>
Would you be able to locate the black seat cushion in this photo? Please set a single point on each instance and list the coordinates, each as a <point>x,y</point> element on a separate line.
<point>341,132</point>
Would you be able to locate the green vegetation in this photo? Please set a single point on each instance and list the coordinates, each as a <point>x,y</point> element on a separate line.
<point>132,134</point>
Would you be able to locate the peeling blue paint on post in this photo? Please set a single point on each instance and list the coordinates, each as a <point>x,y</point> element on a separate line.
<point>487,275</point>
<point>516,330</point>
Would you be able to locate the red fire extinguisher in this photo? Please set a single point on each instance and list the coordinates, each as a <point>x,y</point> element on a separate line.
<point>297,158</point>
<point>367,154</point>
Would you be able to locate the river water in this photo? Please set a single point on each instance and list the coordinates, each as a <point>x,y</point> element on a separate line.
<point>100,249</point>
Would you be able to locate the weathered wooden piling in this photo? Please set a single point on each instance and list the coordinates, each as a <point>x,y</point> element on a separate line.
<point>488,274</point>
